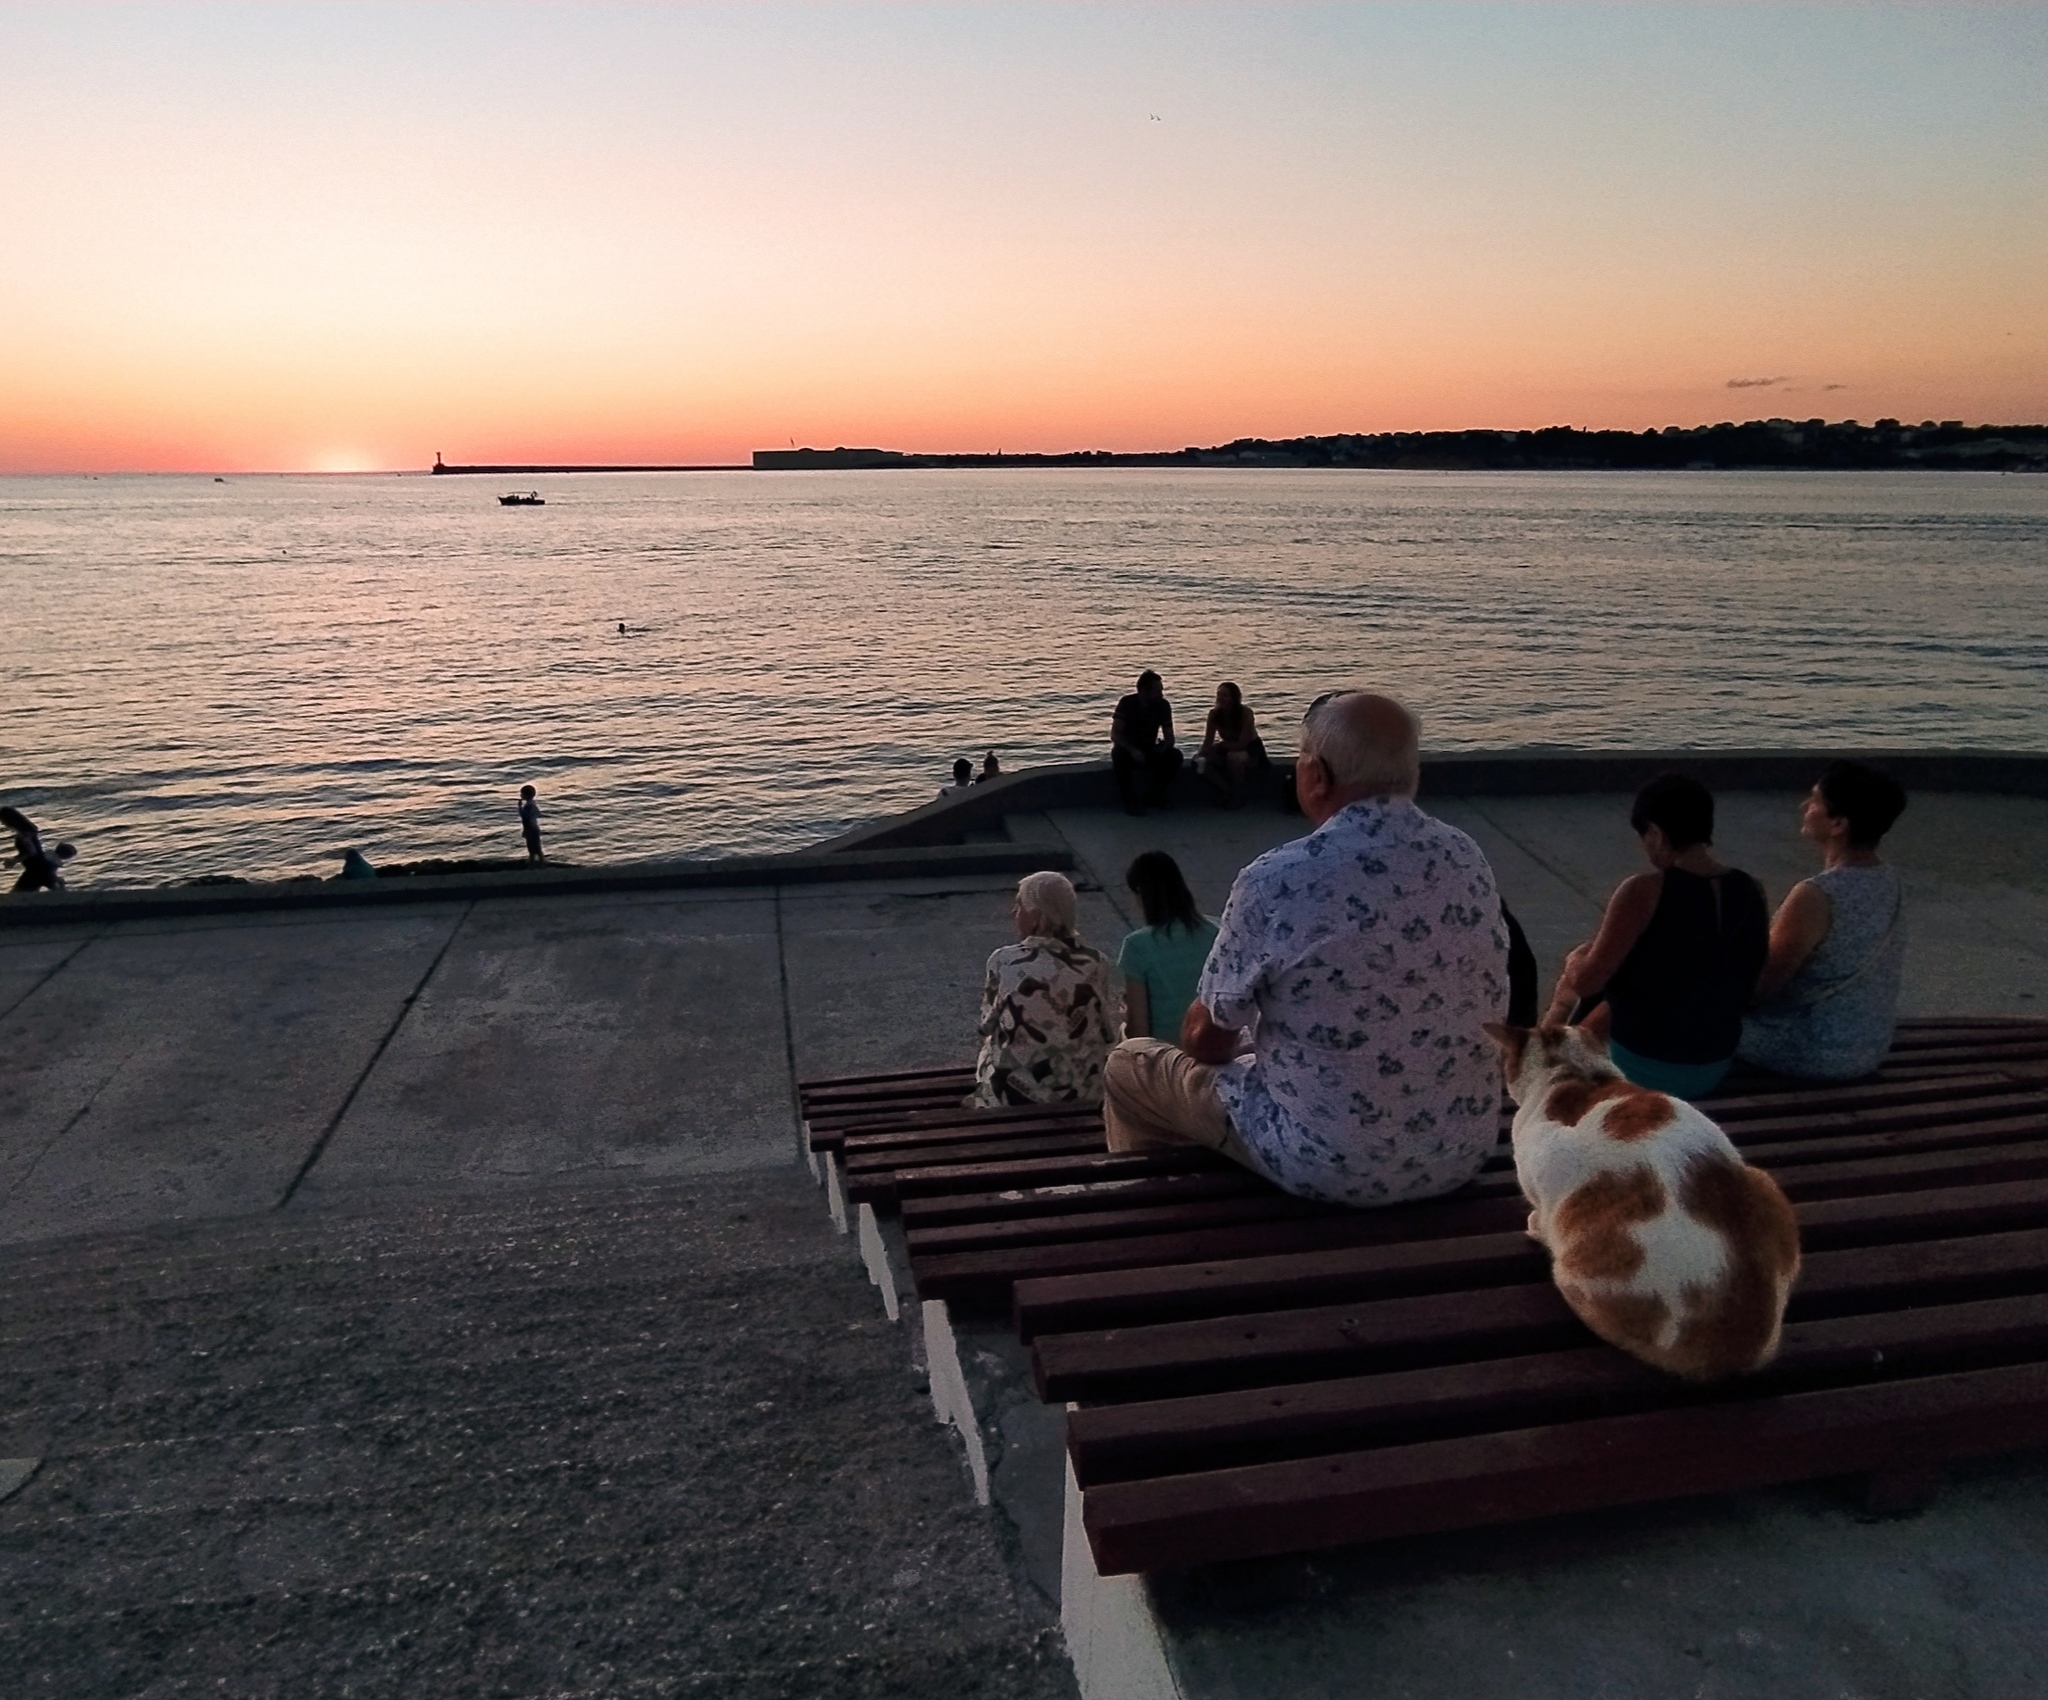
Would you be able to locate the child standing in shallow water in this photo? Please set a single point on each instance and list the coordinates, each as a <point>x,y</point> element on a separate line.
<point>529,823</point>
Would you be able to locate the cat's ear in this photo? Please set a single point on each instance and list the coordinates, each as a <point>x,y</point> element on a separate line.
<point>1513,1042</point>
<point>1594,1030</point>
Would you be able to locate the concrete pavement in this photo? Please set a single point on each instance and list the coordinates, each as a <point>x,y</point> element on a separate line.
<point>212,1077</point>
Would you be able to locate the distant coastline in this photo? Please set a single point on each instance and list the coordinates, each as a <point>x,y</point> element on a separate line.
<point>1812,445</point>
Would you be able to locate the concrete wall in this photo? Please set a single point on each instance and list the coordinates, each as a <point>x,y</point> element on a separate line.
<point>1484,773</point>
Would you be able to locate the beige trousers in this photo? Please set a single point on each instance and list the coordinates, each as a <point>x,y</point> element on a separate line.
<point>1155,1094</point>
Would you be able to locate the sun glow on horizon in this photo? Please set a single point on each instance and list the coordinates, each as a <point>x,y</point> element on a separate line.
<point>339,238</point>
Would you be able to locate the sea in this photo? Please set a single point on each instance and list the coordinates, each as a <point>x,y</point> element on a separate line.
<point>249,676</point>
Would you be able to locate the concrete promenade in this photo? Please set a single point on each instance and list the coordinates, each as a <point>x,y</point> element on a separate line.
<point>208,1079</point>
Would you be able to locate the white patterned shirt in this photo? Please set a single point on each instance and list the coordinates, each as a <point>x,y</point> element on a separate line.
<point>1369,955</point>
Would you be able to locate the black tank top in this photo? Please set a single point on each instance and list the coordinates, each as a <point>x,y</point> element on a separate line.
<point>1680,994</point>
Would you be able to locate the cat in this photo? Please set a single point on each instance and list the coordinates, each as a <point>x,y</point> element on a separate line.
<point>1661,1238</point>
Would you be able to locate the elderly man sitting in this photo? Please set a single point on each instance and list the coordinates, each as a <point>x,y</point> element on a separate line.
<point>1365,957</point>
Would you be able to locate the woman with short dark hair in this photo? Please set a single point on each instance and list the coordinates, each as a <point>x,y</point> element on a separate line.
<point>1828,997</point>
<point>1162,961</point>
<point>1678,951</point>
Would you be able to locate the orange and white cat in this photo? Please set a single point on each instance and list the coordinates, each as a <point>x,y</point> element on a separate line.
<point>1661,1238</point>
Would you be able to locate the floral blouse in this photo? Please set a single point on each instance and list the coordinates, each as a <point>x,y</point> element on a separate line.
<point>1045,1024</point>
<point>1369,955</point>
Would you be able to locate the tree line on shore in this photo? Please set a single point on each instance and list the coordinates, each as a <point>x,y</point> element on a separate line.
<point>1811,444</point>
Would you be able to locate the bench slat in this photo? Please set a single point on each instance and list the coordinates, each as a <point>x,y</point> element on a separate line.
<point>1300,1505</point>
<point>1159,1437</point>
<point>1504,1321</point>
<point>1154,1293</point>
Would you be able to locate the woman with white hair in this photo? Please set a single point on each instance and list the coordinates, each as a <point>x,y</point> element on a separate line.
<point>1045,1007</point>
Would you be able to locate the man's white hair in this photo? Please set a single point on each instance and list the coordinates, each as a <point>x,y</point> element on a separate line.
<point>1051,898</point>
<point>1368,742</point>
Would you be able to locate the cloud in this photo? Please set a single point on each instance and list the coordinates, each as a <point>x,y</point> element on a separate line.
<point>1834,386</point>
<point>1753,383</point>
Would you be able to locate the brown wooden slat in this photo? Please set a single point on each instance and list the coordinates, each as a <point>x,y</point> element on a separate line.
<point>994,1157</point>
<point>1299,1505</point>
<point>880,1180</point>
<point>1730,1112</point>
<point>1183,1292</point>
<point>1160,1437</point>
<point>828,1084</point>
<point>1062,1221</point>
<point>1789,1156</point>
<point>963,1141</point>
<point>937,1118</point>
<point>1264,1205</point>
<point>1082,1198</point>
<point>1971,1166</point>
<point>960,1138</point>
<point>955,1122</point>
<point>977,1265</point>
<point>1057,1171</point>
<point>983,1278</point>
<point>881,1095</point>
<point>1819,1127</point>
<point>1298,1344</point>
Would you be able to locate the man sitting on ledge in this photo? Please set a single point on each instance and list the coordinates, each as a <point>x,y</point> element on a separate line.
<point>1366,958</point>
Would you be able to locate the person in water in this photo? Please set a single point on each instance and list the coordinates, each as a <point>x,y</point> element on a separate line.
<point>41,869</point>
<point>529,823</point>
<point>1678,951</point>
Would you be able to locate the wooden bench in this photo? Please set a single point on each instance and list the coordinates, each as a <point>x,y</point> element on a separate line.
<point>1249,1373</point>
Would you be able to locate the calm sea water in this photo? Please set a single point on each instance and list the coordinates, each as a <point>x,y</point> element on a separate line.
<point>247,677</point>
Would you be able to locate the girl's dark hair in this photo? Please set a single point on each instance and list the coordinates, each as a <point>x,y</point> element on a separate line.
<point>1867,799</point>
<point>1682,806</point>
<point>1230,717</point>
<point>1164,895</point>
<point>14,820</point>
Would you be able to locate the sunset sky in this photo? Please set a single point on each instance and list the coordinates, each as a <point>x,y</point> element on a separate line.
<point>348,236</point>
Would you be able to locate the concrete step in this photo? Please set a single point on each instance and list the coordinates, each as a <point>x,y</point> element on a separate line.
<point>531,1445</point>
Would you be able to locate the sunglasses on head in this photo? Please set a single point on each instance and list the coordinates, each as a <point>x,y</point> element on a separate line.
<point>1327,696</point>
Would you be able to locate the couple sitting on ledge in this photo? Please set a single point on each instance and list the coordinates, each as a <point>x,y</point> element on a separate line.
<point>1335,1044</point>
<point>1146,760</point>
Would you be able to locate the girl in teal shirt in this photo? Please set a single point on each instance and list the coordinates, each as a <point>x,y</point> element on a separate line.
<point>1162,961</point>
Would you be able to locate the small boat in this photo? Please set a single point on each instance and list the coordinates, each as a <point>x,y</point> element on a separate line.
<point>522,499</point>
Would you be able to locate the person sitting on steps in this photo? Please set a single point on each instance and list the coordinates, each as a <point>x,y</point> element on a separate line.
<point>1827,1001</point>
<point>1045,1022</point>
<point>1366,959</point>
<point>1162,961</point>
<point>1678,950</point>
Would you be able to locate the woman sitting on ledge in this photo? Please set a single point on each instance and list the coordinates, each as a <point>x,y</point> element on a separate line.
<point>1045,1021</point>
<point>1678,951</point>
<point>1828,998</point>
<point>1231,747</point>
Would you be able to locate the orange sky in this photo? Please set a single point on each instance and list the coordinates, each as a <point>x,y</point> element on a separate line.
<point>351,236</point>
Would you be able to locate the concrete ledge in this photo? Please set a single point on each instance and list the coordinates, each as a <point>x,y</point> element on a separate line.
<point>1479,773</point>
<point>807,867</point>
